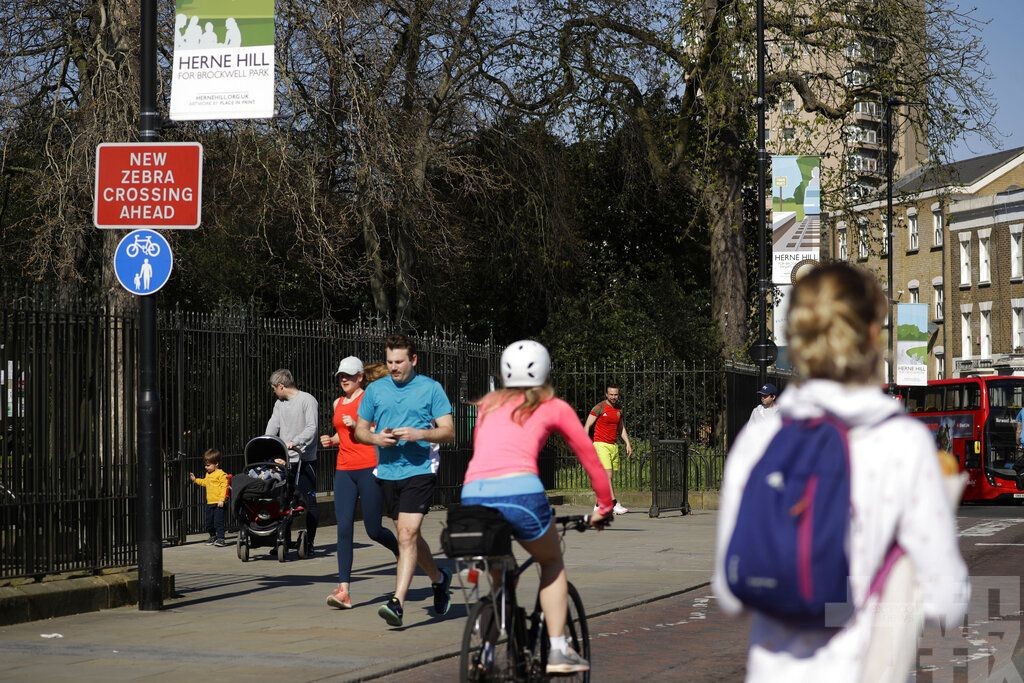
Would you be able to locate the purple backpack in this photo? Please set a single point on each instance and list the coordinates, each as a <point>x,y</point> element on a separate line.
<point>787,555</point>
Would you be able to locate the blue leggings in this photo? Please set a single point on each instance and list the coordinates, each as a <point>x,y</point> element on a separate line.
<point>349,486</point>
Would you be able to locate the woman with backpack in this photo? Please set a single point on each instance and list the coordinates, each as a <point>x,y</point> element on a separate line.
<point>820,500</point>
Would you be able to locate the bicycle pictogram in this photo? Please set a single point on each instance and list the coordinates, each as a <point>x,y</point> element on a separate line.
<point>144,244</point>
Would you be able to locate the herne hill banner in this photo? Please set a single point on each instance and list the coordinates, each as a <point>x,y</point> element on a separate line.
<point>223,60</point>
<point>912,344</point>
<point>796,233</point>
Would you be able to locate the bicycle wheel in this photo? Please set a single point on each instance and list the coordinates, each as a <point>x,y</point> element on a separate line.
<point>577,635</point>
<point>485,654</point>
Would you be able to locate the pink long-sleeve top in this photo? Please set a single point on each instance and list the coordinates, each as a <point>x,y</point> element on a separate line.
<point>502,447</point>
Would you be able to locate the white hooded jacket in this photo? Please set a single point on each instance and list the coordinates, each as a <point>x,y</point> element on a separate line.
<point>896,492</point>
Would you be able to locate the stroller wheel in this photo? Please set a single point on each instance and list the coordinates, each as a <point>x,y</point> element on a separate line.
<point>302,545</point>
<point>282,552</point>
<point>243,551</point>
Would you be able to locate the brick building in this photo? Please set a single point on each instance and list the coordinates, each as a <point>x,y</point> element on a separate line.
<point>957,246</point>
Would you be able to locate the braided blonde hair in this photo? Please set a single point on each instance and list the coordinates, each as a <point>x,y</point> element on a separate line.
<point>833,326</point>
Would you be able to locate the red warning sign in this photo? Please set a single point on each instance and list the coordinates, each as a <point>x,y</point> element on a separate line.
<point>148,185</point>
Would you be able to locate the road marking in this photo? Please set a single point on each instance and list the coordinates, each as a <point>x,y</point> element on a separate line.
<point>1013,544</point>
<point>990,528</point>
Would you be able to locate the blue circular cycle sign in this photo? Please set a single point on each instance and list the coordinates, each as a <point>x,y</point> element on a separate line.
<point>143,262</point>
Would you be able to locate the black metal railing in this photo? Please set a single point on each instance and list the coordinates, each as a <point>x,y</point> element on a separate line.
<point>68,406</point>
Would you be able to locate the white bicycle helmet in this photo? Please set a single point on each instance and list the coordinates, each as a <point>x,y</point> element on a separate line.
<point>525,363</point>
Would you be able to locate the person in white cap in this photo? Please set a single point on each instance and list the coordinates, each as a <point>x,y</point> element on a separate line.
<point>353,479</point>
<point>766,409</point>
<point>513,424</point>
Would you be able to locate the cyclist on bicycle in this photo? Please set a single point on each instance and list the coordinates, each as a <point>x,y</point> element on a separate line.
<point>512,426</point>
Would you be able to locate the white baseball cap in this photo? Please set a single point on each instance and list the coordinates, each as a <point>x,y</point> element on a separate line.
<point>350,366</point>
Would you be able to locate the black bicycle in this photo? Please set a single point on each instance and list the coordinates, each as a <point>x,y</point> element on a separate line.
<point>501,642</point>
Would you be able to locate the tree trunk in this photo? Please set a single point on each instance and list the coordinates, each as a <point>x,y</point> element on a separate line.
<point>728,264</point>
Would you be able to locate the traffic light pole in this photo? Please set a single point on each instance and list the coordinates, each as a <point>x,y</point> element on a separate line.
<point>148,499</point>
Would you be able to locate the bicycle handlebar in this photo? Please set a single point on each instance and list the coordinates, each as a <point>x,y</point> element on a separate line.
<point>581,522</point>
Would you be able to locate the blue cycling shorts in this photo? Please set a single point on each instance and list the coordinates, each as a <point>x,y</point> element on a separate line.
<point>521,499</point>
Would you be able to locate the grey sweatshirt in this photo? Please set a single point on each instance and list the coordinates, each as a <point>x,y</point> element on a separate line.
<point>295,420</point>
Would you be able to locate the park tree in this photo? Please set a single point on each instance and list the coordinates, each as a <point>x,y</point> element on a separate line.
<point>608,60</point>
<point>425,148</point>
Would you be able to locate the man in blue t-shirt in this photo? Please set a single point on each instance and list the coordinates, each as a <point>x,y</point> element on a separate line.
<point>410,412</point>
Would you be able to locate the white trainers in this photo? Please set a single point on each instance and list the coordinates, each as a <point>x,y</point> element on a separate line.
<point>619,510</point>
<point>567,662</point>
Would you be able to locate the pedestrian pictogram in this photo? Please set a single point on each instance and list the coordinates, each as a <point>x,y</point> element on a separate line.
<point>143,262</point>
<point>155,185</point>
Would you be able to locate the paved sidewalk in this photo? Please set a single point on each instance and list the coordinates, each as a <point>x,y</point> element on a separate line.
<point>268,620</point>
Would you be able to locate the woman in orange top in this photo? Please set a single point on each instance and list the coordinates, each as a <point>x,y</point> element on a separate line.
<point>353,479</point>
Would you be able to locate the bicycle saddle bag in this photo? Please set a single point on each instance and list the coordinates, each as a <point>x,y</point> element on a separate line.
<point>476,530</point>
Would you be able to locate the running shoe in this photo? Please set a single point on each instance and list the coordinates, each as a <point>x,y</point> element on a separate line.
<point>210,540</point>
<point>219,543</point>
<point>391,612</point>
<point>340,598</point>
<point>619,510</point>
<point>442,593</point>
<point>567,662</point>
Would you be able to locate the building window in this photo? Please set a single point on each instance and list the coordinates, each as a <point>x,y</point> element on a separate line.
<point>986,333</point>
<point>915,295</point>
<point>940,302</point>
<point>965,263</point>
<point>1016,260</point>
<point>965,334</point>
<point>842,246</point>
<point>1017,326</point>
<point>885,236</point>
<point>912,236</point>
<point>984,266</point>
<point>788,107</point>
<point>789,133</point>
<point>938,227</point>
<point>940,366</point>
<point>862,242</point>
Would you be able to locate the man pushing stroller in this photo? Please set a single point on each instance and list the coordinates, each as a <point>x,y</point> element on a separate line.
<point>295,420</point>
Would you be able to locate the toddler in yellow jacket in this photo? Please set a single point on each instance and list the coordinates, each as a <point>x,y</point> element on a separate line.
<point>216,484</point>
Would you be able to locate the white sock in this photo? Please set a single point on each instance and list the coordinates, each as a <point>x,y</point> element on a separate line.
<point>558,643</point>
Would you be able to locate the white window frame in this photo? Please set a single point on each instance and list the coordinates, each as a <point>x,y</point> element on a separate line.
<point>984,256</point>
<point>912,234</point>
<point>965,260</point>
<point>841,247</point>
<point>965,333</point>
<point>940,302</point>
<point>985,329</point>
<point>938,229</point>
<point>915,295</point>
<point>1016,324</point>
<point>885,236</point>
<point>862,242</point>
<point>1016,253</point>
<point>940,363</point>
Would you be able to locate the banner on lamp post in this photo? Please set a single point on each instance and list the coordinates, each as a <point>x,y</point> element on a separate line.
<point>223,60</point>
<point>912,344</point>
<point>796,232</point>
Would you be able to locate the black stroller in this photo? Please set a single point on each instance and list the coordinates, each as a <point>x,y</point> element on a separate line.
<point>265,501</point>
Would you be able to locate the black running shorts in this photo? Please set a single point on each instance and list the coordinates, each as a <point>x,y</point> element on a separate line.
<point>408,495</point>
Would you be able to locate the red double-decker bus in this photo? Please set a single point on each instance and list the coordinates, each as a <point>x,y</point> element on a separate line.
<point>975,419</point>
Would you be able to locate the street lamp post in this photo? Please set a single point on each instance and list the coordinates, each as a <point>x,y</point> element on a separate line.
<point>890,102</point>
<point>148,501</point>
<point>762,236</point>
